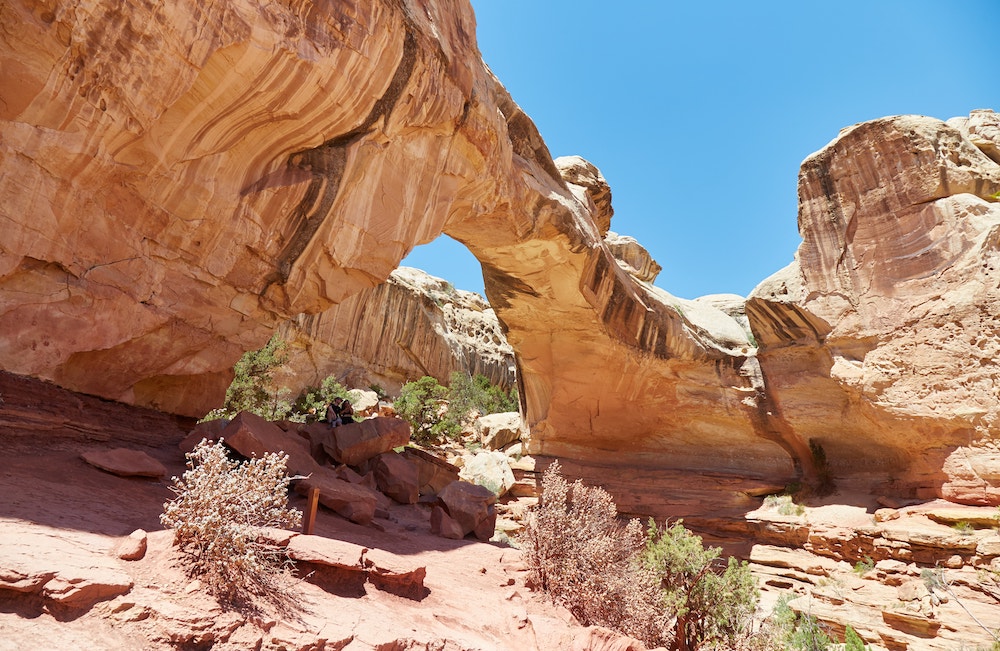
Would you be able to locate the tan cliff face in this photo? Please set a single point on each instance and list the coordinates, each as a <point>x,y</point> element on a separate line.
<point>881,340</point>
<point>179,181</point>
<point>409,326</point>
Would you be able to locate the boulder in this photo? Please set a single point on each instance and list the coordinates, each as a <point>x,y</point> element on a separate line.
<point>253,437</point>
<point>210,430</point>
<point>471,507</point>
<point>125,463</point>
<point>355,502</point>
<point>489,469</point>
<point>444,525</point>
<point>319,435</point>
<point>132,547</point>
<point>433,472</point>
<point>355,443</point>
<point>363,402</point>
<point>396,477</point>
<point>497,431</point>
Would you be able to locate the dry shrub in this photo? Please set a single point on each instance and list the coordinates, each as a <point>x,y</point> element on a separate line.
<point>217,517</point>
<point>585,558</point>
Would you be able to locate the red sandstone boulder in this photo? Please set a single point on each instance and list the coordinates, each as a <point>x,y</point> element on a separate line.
<point>252,436</point>
<point>355,443</point>
<point>132,547</point>
<point>355,502</point>
<point>319,435</point>
<point>443,525</point>
<point>125,463</point>
<point>210,430</point>
<point>471,507</point>
<point>433,473</point>
<point>396,477</point>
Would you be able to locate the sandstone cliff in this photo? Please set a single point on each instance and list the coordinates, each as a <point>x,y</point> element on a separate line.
<point>179,181</point>
<point>409,326</point>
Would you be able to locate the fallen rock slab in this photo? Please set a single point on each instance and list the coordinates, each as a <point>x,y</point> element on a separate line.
<point>253,437</point>
<point>471,507</point>
<point>126,463</point>
<point>355,443</point>
<point>433,473</point>
<point>397,477</point>
<point>355,502</point>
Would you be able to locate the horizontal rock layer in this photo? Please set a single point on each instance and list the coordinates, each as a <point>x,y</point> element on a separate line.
<point>409,326</point>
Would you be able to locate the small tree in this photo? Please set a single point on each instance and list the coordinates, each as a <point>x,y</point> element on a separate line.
<point>434,411</point>
<point>422,404</point>
<point>253,376</point>
<point>217,517</point>
<point>713,600</point>
<point>313,400</point>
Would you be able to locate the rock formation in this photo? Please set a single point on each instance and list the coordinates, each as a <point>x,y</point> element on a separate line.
<point>879,342</point>
<point>409,326</point>
<point>179,182</point>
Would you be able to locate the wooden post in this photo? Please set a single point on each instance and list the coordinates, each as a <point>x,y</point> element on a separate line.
<point>309,521</point>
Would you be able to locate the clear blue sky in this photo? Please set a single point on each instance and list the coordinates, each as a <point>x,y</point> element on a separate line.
<point>700,113</point>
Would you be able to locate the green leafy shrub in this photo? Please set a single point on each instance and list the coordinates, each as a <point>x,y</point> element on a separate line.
<point>793,631</point>
<point>864,566</point>
<point>217,517</point>
<point>422,404</point>
<point>253,377</point>
<point>713,600</point>
<point>853,641</point>
<point>435,411</point>
<point>963,527</point>
<point>784,505</point>
<point>312,401</point>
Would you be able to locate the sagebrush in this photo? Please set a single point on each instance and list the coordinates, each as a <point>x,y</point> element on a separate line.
<point>218,514</point>
<point>583,556</point>
<point>659,585</point>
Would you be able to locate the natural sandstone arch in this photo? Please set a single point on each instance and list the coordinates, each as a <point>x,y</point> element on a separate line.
<point>179,181</point>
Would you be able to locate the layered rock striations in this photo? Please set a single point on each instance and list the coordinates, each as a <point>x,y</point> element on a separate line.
<point>409,326</point>
<point>179,181</point>
<point>880,341</point>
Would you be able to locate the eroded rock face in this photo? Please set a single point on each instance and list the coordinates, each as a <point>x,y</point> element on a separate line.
<point>879,342</point>
<point>179,182</point>
<point>409,326</point>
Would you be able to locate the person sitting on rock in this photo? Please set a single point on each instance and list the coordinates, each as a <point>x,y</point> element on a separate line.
<point>334,411</point>
<point>346,412</point>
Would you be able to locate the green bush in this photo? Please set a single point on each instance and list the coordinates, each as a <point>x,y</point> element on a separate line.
<point>713,600</point>
<point>422,404</point>
<point>793,631</point>
<point>312,401</point>
<point>218,516</point>
<point>250,389</point>
<point>435,411</point>
<point>853,641</point>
